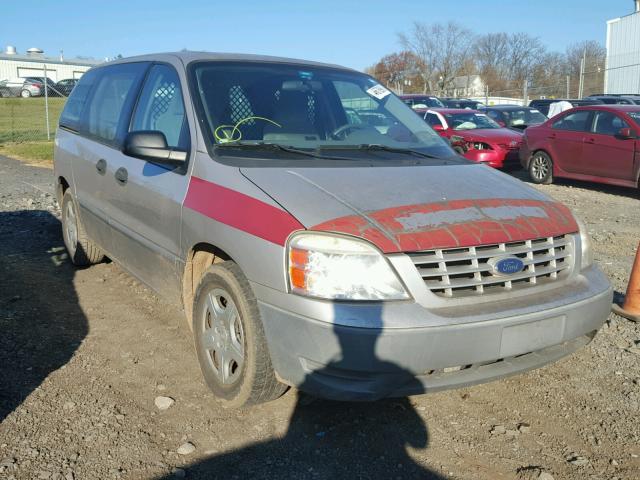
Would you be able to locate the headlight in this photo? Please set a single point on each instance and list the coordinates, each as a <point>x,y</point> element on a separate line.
<point>479,146</point>
<point>585,244</point>
<point>335,267</point>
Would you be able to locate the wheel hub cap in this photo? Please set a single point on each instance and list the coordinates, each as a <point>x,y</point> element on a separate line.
<point>223,336</point>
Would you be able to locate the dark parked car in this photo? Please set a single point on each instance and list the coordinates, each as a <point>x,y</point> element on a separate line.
<point>543,104</point>
<point>617,99</point>
<point>64,87</point>
<point>421,101</point>
<point>462,103</point>
<point>598,143</point>
<point>515,116</point>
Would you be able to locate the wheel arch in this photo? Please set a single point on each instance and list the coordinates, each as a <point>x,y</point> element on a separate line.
<point>199,257</point>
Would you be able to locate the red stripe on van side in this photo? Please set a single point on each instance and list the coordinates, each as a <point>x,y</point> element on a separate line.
<point>240,211</point>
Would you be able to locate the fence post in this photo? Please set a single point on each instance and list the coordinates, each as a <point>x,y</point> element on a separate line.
<point>46,101</point>
<point>525,93</point>
<point>486,95</point>
<point>568,85</point>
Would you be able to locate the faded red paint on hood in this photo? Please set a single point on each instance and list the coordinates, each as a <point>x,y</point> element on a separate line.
<point>458,223</point>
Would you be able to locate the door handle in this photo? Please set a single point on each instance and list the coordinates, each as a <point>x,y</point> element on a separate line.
<point>552,136</point>
<point>121,175</point>
<point>101,166</point>
<point>589,140</point>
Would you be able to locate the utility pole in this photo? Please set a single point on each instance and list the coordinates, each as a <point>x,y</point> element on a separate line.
<point>582,66</point>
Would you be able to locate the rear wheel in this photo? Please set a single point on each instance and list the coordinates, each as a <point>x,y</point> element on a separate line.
<point>230,341</point>
<point>541,168</point>
<point>82,251</point>
<point>25,93</point>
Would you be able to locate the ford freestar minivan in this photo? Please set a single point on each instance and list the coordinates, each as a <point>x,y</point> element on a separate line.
<point>317,232</point>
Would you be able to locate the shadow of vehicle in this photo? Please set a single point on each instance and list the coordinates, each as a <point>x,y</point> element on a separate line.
<point>331,439</point>
<point>41,322</point>
<point>597,187</point>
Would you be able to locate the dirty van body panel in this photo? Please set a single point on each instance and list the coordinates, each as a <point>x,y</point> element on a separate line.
<point>224,209</point>
<point>83,155</point>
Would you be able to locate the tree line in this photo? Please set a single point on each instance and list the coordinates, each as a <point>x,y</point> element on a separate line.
<point>433,55</point>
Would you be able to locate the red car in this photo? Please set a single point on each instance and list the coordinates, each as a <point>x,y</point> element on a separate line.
<point>598,143</point>
<point>475,136</point>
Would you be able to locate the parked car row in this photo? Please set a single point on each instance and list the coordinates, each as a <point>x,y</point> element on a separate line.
<point>26,87</point>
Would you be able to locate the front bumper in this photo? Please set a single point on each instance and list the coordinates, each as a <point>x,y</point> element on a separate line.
<point>497,158</point>
<point>347,351</point>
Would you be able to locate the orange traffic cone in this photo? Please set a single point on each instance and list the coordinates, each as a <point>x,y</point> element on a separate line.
<point>631,306</point>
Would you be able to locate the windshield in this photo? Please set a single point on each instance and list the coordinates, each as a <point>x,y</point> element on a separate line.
<point>470,121</point>
<point>525,117</point>
<point>635,116</point>
<point>251,103</point>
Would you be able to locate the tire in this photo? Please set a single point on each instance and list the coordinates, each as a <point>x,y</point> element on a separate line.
<point>25,93</point>
<point>82,251</point>
<point>541,168</point>
<point>230,341</point>
<point>459,150</point>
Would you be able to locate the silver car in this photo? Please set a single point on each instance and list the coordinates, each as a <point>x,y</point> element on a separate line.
<point>317,232</point>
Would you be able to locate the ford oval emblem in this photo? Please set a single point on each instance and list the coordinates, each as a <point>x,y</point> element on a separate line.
<point>506,265</point>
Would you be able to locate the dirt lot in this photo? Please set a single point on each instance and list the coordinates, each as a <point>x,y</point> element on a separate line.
<point>84,354</point>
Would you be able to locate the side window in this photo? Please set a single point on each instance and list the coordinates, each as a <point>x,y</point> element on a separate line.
<point>161,107</point>
<point>494,115</point>
<point>576,121</point>
<point>112,93</point>
<point>607,123</point>
<point>74,107</point>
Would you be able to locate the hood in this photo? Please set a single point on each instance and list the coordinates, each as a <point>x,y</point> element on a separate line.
<point>492,135</point>
<point>403,209</point>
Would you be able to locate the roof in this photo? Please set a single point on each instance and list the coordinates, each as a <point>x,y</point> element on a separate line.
<point>42,59</point>
<point>417,95</point>
<point>454,110</point>
<point>612,108</point>
<point>506,107</point>
<point>187,56</point>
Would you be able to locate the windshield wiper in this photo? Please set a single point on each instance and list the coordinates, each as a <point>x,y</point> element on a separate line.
<point>379,147</point>
<point>276,147</point>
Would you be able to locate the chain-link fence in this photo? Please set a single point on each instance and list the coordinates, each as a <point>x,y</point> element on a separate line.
<point>29,112</point>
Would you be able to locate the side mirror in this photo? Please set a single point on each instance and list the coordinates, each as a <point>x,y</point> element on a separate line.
<point>152,145</point>
<point>438,127</point>
<point>626,134</point>
<point>501,123</point>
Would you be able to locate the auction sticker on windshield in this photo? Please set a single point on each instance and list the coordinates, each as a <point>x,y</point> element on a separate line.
<point>378,91</point>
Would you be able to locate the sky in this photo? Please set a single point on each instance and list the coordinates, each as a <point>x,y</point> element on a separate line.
<point>353,33</point>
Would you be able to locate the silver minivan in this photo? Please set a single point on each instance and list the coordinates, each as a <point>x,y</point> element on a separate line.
<point>316,231</point>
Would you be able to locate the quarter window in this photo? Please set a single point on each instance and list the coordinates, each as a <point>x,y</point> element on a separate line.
<point>72,112</point>
<point>161,107</point>
<point>576,121</point>
<point>607,123</point>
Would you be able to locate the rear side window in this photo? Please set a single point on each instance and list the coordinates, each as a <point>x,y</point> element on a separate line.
<point>161,107</point>
<point>576,121</point>
<point>72,113</point>
<point>432,119</point>
<point>607,123</point>
<point>113,92</point>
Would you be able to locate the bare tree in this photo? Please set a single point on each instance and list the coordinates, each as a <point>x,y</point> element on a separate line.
<point>395,69</point>
<point>595,57</point>
<point>442,49</point>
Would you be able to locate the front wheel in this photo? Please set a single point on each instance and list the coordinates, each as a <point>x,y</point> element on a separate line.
<point>25,93</point>
<point>230,340</point>
<point>541,168</point>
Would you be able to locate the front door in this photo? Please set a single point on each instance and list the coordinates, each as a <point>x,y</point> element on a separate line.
<point>147,197</point>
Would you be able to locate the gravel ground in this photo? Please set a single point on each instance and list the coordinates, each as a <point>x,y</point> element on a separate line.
<point>85,354</point>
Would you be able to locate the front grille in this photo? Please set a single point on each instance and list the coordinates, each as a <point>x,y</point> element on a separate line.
<point>459,272</point>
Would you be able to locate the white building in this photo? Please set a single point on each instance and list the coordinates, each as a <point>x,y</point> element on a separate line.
<point>466,86</point>
<point>622,74</point>
<point>34,63</point>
